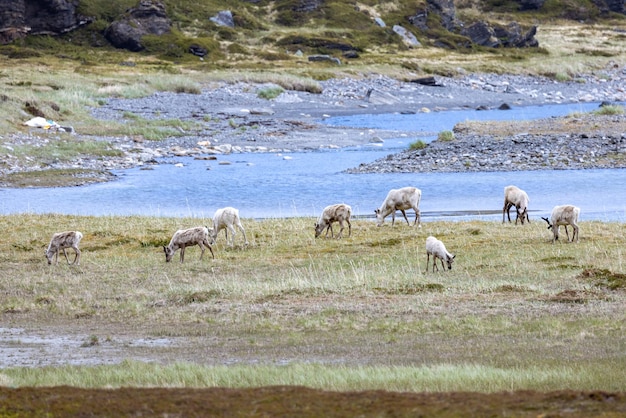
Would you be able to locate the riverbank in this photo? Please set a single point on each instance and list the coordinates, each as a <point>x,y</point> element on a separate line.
<point>566,143</point>
<point>235,119</point>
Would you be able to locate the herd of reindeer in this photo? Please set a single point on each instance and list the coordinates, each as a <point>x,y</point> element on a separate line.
<point>397,200</point>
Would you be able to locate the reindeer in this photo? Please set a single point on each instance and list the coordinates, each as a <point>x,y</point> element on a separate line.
<point>563,215</point>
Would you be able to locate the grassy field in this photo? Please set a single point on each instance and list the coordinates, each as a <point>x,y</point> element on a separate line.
<point>364,312</point>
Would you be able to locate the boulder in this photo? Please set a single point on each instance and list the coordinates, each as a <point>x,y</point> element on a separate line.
<point>197,50</point>
<point>531,4</point>
<point>19,18</point>
<point>481,33</point>
<point>446,11</point>
<point>223,18</point>
<point>307,5</point>
<point>148,18</point>
<point>321,58</point>
<point>407,37</point>
<point>617,6</point>
<point>510,36</point>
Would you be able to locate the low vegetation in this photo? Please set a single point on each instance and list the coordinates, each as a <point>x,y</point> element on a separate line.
<point>445,136</point>
<point>514,313</point>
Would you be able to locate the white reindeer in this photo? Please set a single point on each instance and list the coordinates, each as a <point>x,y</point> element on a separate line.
<point>400,199</point>
<point>563,215</point>
<point>514,196</point>
<point>186,238</point>
<point>226,219</point>
<point>61,241</point>
<point>438,250</point>
<point>334,213</point>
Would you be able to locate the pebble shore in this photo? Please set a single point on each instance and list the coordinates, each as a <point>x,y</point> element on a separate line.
<point>237,120</point>
<point>592,142</point>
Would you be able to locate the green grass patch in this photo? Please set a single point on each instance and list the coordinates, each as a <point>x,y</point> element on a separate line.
<point>445,136</point>
<point>54,178</point>
<point>270,93</point>
<point>435,378</point>
<point>417,145</point>
<point>609,110</point>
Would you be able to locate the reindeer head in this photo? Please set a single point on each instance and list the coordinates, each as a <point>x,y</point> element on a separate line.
<point>318,229</point>
<point>522,215</point>
<point>169,253</point>
<point>450,260</point>
<point>548,221</point>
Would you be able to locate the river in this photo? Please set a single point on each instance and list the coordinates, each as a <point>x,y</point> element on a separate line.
<point>303,183</point>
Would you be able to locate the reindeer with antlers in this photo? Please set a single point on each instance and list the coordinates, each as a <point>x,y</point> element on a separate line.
<point>563,215</point>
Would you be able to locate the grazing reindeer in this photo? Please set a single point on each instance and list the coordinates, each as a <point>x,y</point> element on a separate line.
<point>514,196</point>
<point>187,238</point>
<point>334,213</point>
<point>226,219</point>
<point>563,215</point>
<point>400,199</point>
<point>438,250</point>
<point>61,241</point>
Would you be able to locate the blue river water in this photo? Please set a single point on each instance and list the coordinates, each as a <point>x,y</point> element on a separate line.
<point>303,183</point>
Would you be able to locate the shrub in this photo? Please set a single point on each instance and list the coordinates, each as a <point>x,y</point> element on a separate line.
<point>610,110</point>
<point>445,136</point>
<point>417,145</point>
<point>270,93</point>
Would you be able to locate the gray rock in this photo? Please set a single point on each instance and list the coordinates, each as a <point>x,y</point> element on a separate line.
<point>147,18</point>
<point>481,33</point>
<point>321,58</point>
<point>407,37</point>
<point>380,22</point>
<point>531,4</point>
<point>19,18</point>
<point>223,18</point>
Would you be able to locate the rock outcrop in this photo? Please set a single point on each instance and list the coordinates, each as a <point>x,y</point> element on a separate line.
<point>479,33</point>
<point>19,18</point>
<point>148,18</point>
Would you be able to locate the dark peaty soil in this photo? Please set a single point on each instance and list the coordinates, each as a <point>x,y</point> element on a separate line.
<point>290,401</point>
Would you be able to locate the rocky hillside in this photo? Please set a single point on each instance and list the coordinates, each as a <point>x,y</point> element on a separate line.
<point>332,30</point>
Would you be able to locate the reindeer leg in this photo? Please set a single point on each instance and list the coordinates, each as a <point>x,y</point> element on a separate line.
<point>201,245</point>
<point>506,211</point>
<point>65,254</point>
<point>182,254</point>
<point>77,256</point>
<point>340,229</point>
<point>243,231</point>
<point>405,218</point>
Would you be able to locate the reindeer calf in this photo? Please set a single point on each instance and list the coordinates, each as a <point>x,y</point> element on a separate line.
<point>187,238</point>
<point>61,241</point>
<point>438,250</point>
<point>334,213</point>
